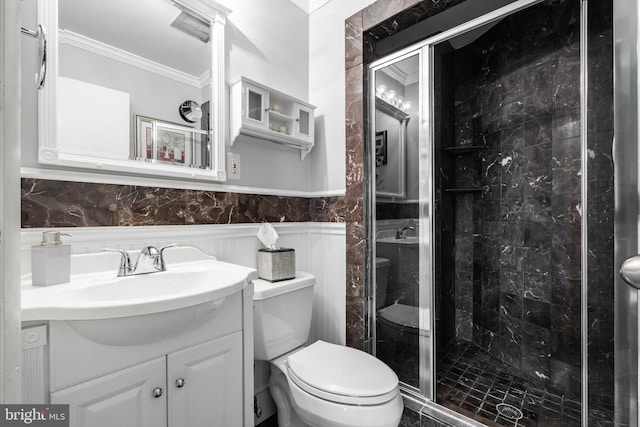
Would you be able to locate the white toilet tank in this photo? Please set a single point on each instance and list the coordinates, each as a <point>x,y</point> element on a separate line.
<point>281,315</point>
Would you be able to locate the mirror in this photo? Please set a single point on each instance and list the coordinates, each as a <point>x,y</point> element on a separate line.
<point>395,94</point>
<point>113,63</point>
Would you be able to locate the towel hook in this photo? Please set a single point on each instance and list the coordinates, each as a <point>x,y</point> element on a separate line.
<point>41,35</point>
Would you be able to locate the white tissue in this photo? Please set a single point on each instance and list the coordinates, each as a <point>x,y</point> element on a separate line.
<point>268,236</point>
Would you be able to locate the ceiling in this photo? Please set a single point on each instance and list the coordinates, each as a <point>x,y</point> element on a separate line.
<point>310,6</point>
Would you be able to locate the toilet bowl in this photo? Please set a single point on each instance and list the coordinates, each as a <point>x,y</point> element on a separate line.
<point>322,384</point>
<point>328,385</point>
<point>399,323</point>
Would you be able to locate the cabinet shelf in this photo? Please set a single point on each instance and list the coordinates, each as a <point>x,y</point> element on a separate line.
<point>266,114</point>
<point>280,116</point>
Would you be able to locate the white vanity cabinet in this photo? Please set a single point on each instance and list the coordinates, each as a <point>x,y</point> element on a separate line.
<point>205,384</point>
<point>264,113</point>
<point>124,398</point>
<point>198,386</point>
<point>194,376</point>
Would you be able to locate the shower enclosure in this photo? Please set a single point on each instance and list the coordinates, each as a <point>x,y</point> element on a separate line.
<point>492,183</point>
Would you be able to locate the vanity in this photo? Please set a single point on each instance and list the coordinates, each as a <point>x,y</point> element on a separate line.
<point>172,348</point>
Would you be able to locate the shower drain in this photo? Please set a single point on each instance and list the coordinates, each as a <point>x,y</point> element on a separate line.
<point>509,411</point>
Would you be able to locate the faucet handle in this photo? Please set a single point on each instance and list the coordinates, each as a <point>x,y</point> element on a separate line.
<point>125,261</point>
<point>162,264</point>
<point>170,245</point>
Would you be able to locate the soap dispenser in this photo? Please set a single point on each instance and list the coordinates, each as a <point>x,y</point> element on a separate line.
<point>51,260</point>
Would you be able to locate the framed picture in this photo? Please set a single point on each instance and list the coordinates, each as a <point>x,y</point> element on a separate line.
<point>163,142</point>
<point>381,148</point>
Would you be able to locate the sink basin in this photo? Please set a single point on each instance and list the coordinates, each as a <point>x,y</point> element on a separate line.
<point>409,240</point>
<point>136,309</point>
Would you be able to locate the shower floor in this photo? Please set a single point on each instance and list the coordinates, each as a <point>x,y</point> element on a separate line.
<point>473,382</point>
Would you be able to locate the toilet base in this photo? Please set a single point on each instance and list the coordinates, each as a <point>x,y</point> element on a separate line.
<point>281,395</point>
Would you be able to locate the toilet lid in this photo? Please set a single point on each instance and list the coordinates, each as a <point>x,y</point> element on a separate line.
<point>382,262</point>
<point>342,374</point>
<point>401,314</point>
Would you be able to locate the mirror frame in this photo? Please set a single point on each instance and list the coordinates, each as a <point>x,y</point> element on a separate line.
<point>49,151</point>
<point>393,112</point>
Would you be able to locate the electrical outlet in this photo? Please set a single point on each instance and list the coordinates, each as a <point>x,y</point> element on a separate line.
<point>233,166</point>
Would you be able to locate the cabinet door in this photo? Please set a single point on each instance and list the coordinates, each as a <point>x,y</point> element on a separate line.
<point>124,398</point>
<point>255,106</point>
<point>205,384</point>
<point>304,122</point>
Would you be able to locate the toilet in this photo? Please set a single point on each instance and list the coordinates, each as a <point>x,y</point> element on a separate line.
<point>322,384</point>
<point>399,323</point>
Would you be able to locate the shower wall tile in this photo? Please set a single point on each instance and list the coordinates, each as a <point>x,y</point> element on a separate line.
<point>550,60</point>
<point>600,208</point>
<point>528,256</point>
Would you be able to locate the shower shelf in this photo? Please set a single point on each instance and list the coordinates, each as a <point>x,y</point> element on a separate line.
<point>464,190</point>
<point>465,149</point>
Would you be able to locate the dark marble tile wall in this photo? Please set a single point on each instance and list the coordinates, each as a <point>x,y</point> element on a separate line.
<point>518,240</point>
<point>544,117</point>
<point>600,211</point>
<point>47,203</point>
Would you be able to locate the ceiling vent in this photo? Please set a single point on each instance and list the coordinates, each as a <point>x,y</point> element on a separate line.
<point>193,26</point>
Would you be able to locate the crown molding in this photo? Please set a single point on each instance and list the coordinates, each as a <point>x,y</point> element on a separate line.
<point>77,40</point>
<point>400,76</point>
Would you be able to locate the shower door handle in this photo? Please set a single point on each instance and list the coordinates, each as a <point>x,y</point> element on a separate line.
<point>630,271</point>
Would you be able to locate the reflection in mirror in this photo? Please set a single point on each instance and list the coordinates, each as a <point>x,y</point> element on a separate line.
<point>117,60</point>
<point>144,66</point>
<point>395,100</point>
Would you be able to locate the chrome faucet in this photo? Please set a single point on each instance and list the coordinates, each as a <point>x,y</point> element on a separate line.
<point>150,260</point>
<point>400,233</point>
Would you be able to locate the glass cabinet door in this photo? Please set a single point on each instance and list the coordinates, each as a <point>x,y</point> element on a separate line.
<point>255,108</point>
<point>304,122</point>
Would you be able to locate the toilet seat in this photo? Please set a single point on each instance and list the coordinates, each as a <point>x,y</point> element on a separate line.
<point>342,375</point>
<point>404,316</point>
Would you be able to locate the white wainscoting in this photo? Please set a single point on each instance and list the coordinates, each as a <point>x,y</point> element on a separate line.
<point>320,250</point>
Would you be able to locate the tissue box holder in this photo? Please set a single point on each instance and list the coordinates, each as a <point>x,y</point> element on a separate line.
<point>276,264</point>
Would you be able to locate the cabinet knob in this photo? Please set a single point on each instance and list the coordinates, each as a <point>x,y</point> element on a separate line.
<point>180,382</point>
<point>157,392</point>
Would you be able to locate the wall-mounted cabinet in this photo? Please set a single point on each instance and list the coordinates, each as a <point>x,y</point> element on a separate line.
<point>264,113</point>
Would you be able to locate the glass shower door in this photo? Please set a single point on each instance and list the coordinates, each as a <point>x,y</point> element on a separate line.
<point>402,325</point>
<point>514,282</point>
